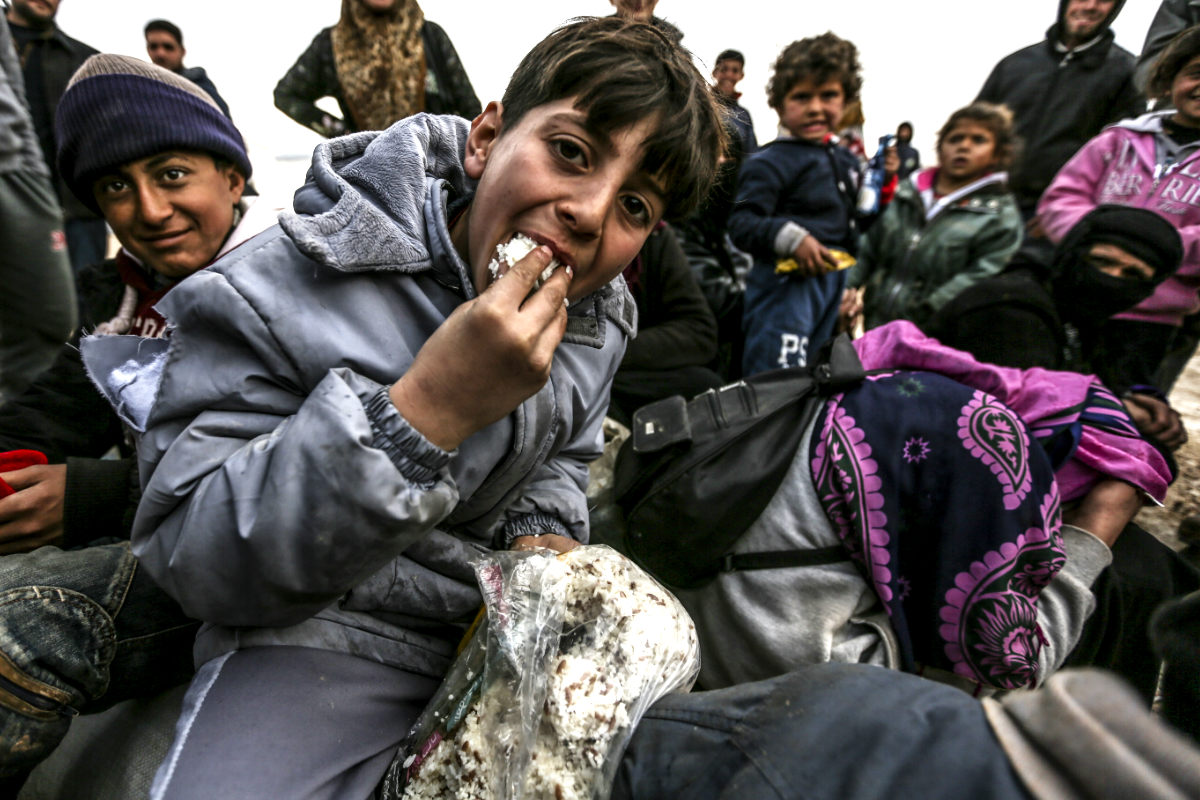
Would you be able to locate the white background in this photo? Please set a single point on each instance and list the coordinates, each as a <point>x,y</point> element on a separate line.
<point>921,59</point>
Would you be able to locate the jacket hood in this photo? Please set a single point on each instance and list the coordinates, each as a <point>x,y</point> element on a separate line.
<point>1052,33</point>
<point>1150,122</point>
<point>363,203</point>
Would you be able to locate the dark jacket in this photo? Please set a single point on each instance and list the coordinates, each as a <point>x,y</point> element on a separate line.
<point>910,159</point>
<point>739,122</point>
<point>448,90</point>
<point>62,415</point>
<point>1172,17</point>
<point>56,56</point>
<point>675,326</point>
<point>1010,320</point>
<point>198,76</point>
<point>1059,101</point>
<point>791,180</point>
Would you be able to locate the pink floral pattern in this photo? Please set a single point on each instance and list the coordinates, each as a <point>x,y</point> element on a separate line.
<point>990,616</point>
<point>849,487</point>
<point>997,437</point>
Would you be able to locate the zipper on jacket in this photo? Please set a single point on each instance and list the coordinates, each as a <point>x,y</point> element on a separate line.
<point>889,302</point>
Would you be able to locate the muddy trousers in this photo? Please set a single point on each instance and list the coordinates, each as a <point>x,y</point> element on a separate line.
<point>80,630</point>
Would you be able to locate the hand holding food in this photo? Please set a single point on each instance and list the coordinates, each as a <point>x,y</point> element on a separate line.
<point>490,355</point>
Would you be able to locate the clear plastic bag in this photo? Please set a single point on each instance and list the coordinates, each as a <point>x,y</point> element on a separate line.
<point>546,691</point>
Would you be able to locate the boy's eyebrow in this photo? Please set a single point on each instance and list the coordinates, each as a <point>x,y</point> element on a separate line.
<point>162,158</point>
<point>581,119</point>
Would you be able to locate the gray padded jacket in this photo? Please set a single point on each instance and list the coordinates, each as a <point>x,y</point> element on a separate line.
<point>285,499</point>
<point>19,148</point>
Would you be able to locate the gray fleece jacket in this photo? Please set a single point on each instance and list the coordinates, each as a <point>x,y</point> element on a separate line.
<point>285,499</point>
<point>757,624</point>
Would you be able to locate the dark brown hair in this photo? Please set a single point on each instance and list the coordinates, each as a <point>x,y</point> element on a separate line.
<point>620,73</point>
<point>819,59</point>
<point>998,119</point>
<point>1182,49</point>
<point>164,26</point>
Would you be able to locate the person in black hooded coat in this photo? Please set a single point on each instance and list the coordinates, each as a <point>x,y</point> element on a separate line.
<point>1062,91</point>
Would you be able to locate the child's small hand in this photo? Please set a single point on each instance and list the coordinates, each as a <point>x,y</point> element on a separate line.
<point>813,257</point>
<point>850,310</point>
<point>488,357</point>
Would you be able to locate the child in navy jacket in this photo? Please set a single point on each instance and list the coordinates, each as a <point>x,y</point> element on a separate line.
<point>796,203</point>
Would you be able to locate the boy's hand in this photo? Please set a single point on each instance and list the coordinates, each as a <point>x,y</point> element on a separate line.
<point>1155,418</point>
<point>33,516</point>
<point>547,541</point>
<point>488,357</point>
<point>813,257</point>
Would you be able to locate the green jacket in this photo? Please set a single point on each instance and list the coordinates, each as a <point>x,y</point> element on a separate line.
<point>915,259</point>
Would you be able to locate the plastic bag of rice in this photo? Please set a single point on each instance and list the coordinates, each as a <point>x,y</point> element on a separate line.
<point>548,688</point>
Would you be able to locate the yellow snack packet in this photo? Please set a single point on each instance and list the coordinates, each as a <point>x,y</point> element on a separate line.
<point>842,259</point>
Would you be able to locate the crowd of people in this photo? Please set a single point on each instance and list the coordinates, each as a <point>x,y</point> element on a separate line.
<point>250,458</point>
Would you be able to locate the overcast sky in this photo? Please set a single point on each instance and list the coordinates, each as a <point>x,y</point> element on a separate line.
<point>921,59</point>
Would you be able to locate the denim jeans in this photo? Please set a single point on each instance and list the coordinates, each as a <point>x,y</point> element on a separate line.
<point>846,731</point>
<point>80,630</point>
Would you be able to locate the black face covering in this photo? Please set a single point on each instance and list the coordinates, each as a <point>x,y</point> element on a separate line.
<point>1086,297</point>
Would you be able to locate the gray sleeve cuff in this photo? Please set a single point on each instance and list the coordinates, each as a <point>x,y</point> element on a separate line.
<point>1087,556</point>
<point>530,525</point>
<point>788,239</point>
<point>417,459</point>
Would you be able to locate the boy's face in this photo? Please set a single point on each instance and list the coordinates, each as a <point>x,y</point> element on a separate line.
<point>583,194</point>
<point>967,152</point>
<point>172,210</point>
<point>164,50</point>
<point>727,74</point>
<point>811,111</point>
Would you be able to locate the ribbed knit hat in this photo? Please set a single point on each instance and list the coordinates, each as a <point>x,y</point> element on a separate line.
<point>117,109</point>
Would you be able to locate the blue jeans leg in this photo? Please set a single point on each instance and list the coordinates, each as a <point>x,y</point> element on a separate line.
<point>79,631</point>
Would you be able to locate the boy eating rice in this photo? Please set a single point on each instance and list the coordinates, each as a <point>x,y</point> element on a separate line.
<point>352,404</point>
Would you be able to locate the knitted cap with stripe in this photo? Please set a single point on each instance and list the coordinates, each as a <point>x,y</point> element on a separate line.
<point>118,109</point>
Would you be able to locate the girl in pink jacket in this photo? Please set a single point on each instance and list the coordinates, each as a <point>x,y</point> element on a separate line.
<point>1150,162</point>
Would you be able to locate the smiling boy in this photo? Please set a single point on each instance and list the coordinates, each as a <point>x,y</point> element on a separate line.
<point>350,406</point>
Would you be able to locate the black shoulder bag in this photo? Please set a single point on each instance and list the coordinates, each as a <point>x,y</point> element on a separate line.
<point>695,475</point>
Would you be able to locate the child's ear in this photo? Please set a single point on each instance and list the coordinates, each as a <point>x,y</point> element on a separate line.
<point>485,130</point>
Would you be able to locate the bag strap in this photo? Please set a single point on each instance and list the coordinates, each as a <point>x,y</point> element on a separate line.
<point>780,559</point>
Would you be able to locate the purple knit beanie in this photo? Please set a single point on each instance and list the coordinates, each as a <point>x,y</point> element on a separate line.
<point>117,109</point>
